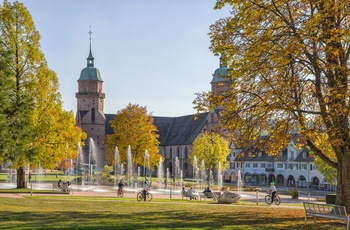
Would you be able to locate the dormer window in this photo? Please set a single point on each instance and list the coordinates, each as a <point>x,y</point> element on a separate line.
<point>260,154</point>
<point>304,154</point>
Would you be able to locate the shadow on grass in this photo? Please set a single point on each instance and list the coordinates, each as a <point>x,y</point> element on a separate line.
<point>49,213</point>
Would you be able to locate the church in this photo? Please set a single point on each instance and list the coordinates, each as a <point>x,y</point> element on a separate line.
<point>176,133</point>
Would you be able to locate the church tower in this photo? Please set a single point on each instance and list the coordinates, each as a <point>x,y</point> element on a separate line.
<point>220,83</point>
<point>90,116</point>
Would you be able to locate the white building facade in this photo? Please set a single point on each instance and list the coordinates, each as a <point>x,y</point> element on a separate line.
<point>293,167</point>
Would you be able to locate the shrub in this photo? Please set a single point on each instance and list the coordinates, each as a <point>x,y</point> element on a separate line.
<point>294,193</point>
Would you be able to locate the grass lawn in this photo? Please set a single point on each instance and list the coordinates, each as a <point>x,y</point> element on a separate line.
<point>69,212</point>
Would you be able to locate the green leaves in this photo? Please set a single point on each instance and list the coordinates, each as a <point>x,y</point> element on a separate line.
<point>212,148</point>
<point>39,130</point>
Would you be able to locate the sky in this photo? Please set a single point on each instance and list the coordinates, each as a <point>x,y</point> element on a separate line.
<point>154,53</point>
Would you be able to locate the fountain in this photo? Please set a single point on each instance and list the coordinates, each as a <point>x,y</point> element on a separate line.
<point>239,182</point>
<point>203,172</point>
<point>178,171</point>
<point>130,167</point>
<point>92,158</point>
<point>211,178</point>
<point>122,170</point>
<point>147,165</point>
<point>195,171</point>
<point>167,176</point>
<point>80,157</point>
<point>116,165</point>
<point>138,174</point>
<point>219,176</point>
<point>160,172</point>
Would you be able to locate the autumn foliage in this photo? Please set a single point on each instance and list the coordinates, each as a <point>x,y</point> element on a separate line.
<point>133,126</point>
<point>289,73</point>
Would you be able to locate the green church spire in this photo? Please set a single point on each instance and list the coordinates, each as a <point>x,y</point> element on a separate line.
<point>90,72</point>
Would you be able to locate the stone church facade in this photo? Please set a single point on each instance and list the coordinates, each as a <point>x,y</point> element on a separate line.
<point>176,133</point>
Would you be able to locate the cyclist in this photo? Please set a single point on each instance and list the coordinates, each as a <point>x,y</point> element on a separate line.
<point>120,186</point>
<point>273,191</point>
<point>145,189</point>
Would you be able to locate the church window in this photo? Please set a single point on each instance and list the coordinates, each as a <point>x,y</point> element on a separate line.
<point>186,153</point>
<point>171,153</point>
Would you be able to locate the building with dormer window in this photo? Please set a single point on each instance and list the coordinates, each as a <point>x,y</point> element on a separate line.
<point>293,167</point>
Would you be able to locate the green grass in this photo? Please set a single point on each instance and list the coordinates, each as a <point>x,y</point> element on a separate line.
<point>49,177</point>
<point>70,212</point>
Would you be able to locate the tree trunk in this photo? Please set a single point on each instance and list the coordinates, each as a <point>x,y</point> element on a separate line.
<point>21,178</point>
<point>343,183</point>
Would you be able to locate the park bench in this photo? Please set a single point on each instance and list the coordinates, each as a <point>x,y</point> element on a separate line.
<point>55,186</point>
<point>201,196</point>
<point>208,195</point>
<point>186,195</point>
<point>65,187</point>
<point>330,211</point>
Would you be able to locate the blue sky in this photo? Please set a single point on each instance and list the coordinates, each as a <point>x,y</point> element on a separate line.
<point>154,53</point>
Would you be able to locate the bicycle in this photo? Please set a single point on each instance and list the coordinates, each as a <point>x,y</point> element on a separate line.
<point>140,196</point>
<point>120,192</point>
<point>276,199</point>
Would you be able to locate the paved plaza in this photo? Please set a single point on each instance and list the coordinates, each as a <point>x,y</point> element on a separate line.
<point>108,191</point>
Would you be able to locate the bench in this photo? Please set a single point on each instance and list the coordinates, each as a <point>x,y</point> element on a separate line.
<point>208,195</point>
<point>330,211</point>
<point>185,194</point>
<point>65,188</point>
<point>55,186</point>
<point>201,196</point>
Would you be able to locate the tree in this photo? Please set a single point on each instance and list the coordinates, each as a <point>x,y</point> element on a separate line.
<point>38,126</point>
<point>329,172</point>
<point>133,126</point>
<point>20,40</point>
<point>5,86</point>
<point>289,71</point>
<point>55,134</point>
<point>212,149</point>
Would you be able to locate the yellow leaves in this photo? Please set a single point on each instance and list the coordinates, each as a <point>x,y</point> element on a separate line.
<point>133,126</point>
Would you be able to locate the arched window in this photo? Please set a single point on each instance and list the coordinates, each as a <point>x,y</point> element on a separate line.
<point>171,153</point>
<point>186,152</point>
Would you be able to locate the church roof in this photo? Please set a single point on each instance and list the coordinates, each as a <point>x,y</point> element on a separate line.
<point>90,72</point>
<point>179,130</point>
<point>220,74</point>
<point>172,130</point>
